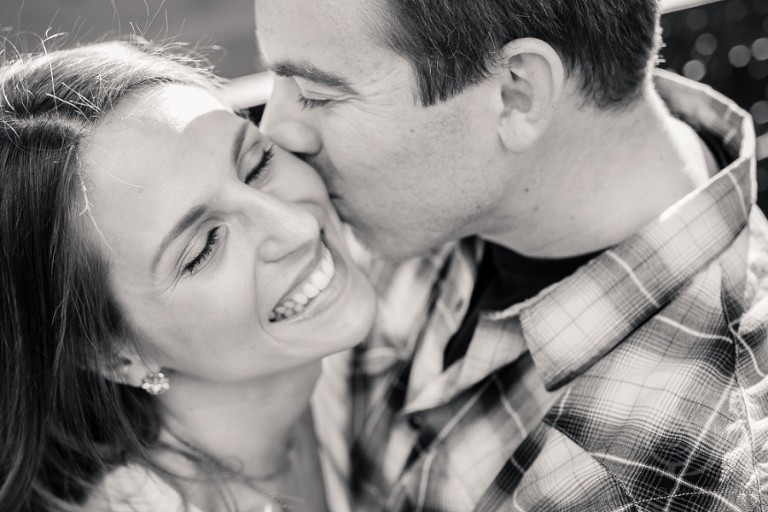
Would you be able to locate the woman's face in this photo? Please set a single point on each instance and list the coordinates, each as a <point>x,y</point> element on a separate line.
<point>225,253</point>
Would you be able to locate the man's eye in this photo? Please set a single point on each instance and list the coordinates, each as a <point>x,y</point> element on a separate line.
<point>263,165</point>
<point>308,103</point>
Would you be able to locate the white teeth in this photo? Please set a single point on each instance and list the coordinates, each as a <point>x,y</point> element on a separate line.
<point>327,265</point>
<point>308,290</point>
<point>320,280</point>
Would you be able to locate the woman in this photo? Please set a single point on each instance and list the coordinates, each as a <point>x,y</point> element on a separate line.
<point>170,284</point>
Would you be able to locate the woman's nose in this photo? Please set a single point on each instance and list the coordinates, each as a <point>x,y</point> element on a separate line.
<point>289,231</point>
<point>286,123</point>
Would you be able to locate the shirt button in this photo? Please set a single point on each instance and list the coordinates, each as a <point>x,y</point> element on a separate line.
<point>459,304</point>
<point>416,421</point>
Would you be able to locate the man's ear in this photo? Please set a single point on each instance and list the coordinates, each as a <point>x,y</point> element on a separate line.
<point>532,82</point>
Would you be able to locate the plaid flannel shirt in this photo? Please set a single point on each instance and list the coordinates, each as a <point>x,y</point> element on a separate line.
<point>636,384</point>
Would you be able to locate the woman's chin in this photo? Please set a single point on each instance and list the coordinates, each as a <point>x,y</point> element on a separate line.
<point>329,334</point>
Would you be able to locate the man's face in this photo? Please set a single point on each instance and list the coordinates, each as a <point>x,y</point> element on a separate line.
<point>406,177</point>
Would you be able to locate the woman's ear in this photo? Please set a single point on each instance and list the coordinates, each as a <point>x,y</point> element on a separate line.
<point>127,367</point>
<point>532,82</point>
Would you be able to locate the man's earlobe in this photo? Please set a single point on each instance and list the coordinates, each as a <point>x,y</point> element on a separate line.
<point>532,83</point>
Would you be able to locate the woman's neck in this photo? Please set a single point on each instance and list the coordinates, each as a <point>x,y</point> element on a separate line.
<point>248,425</point>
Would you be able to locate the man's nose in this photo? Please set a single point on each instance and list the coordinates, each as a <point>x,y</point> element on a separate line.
<point>286,123</point>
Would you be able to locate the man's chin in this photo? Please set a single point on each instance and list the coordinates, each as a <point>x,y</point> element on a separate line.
<point>390,248</point>
<point>388,244</point>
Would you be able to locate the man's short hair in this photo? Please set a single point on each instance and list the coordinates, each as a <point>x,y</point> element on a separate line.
<point>608,44</point>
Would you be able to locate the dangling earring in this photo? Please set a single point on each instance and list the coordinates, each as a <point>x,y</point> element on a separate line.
<point>155,383</point>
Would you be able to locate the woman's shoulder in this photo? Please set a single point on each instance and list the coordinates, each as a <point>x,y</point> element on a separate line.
<point>134,488</point>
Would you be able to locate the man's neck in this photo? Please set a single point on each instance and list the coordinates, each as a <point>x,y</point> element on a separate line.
<point>599,176</point>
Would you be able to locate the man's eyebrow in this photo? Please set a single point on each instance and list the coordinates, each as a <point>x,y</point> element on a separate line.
<point>182,225</point>
<point>311,73</point>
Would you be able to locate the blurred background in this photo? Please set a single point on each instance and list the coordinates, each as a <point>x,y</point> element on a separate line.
<point>723,43</point>
<point>225,25</point>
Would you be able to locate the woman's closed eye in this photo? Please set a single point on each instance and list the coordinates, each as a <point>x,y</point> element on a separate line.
<point>258,171</point>
<point>211,242</point>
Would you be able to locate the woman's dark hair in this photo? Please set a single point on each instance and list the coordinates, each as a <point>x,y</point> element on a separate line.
<point>63,425</point>
<point>608,44</point>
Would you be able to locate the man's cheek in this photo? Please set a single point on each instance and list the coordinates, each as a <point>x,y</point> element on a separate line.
<point>369,126</point>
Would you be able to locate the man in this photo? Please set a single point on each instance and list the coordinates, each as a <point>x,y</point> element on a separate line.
<point>578,323</point>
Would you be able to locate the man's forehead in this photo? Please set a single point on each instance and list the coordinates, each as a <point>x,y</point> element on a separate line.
<point>336,43</point>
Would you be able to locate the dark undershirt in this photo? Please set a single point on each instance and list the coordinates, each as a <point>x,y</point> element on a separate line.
<point>505,278</point>
<point>715,146</point>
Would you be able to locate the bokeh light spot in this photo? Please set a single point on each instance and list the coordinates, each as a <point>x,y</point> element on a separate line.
<point>739,56</point>
<point>706,44</point>
<point>760,49</point>
<point>759,112</point>
<point>694,69</point>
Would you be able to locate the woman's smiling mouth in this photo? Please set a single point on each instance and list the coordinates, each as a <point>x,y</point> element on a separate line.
<point>306,291</point>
